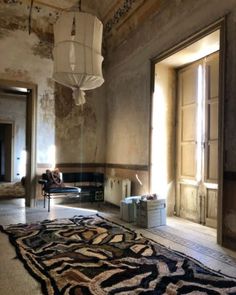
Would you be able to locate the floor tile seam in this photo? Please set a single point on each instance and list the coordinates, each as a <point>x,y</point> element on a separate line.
<point>201,249</point>
<point>171,229</point>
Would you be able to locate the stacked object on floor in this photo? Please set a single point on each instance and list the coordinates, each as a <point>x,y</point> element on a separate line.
<point>151,213</point>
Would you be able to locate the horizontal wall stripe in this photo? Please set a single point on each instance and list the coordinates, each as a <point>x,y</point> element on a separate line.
<point>80,165</point>
<point>128,166</point>
<point>44,165</point>
<point>103,165</point>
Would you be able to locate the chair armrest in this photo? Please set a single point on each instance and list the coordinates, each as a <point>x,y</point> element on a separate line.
<point>42,181</point>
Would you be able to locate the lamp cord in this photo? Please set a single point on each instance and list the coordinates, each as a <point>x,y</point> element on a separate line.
<point>79,4</point>
<point>30,15</point>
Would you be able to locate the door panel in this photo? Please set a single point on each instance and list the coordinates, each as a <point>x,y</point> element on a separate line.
<point>212,164</point>
<point>187,147</point>
<point>211,209</point>
<point>211,153</point>
<point>189,202</point>
<point>212,65</point>
<point>213,119</point>
<point>197,159</point>
<point>187,132</point>
<point>212,103</point>
<point>189,85</point>
<point>189,123</point>
<point>8,152</point>
<point>188,161</point>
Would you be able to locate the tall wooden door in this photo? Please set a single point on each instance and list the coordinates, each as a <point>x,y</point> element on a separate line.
<point>211,139</point>
<point>197,145</point>
<point>8,151</point>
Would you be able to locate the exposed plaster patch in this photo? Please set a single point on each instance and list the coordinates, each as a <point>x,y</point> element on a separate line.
<point>51,84</point>
<point>46,102</point>
<point>13,20</point>
<point>3,33</point>
<point>12,1</point>
<point>16,74</point>
<point>80,118</point>
<point>17,53</point>
<point>63,101</point>
<point>44,50</point>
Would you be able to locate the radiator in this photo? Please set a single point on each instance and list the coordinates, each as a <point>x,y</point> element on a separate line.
<point>116,189</point>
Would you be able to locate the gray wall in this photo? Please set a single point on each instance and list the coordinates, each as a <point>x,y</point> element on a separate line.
<point>128,86</point>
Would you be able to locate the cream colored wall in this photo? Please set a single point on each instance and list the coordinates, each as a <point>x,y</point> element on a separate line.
<point>163,135</point>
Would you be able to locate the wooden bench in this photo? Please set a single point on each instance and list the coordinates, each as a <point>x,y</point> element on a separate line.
<point>88,186</point>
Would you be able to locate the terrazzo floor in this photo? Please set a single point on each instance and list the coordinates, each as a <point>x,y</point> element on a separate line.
<point>196,241</point>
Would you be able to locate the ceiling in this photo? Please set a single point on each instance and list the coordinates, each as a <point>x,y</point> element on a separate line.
<point>98,7</point>
<point>195,51</point>
<point>119,17</point>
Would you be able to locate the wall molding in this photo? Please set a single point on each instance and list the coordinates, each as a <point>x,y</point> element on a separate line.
<point>119,14</point>
<point>128,166</point>
<point>103,165</point>
<point>44,165</point>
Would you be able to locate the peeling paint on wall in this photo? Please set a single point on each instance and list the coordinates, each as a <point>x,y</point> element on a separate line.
<point>76,128</point>
<point>16,74</point>
<point>46,102</point>
<point>73,125</point>
<point>27,58</point>
<point>63,101</point>
<point>15,16</point>
<point>44,50</point>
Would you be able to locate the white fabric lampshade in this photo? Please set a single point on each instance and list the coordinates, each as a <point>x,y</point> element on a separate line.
<point>77,51</point>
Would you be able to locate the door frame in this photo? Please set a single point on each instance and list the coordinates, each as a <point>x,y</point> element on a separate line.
<point>9,122</point>
<point>31,104</point>
<point>221,26</point>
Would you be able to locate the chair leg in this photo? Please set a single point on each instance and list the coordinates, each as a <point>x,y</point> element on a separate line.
<point>49,202</point>
<point>44,200</point>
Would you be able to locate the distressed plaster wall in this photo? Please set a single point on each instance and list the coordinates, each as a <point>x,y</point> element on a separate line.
<point>163,150</point>
<point>128,123</point>
<point>27,58</point>
<point>80,130</point>
<point>128,83</point>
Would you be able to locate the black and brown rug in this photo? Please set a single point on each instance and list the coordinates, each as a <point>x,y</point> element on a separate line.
<point>91,255</point>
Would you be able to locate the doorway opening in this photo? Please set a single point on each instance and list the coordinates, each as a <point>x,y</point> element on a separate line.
<point>185,133</point>
<point>197,141</point>
<point>6,147</point>
<point>18,135</point>
<point>12,134</point>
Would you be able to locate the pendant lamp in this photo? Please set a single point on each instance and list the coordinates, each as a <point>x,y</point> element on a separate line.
<point>77,53</point>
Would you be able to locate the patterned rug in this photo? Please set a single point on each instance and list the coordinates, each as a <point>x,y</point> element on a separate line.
<point>91,255</point>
